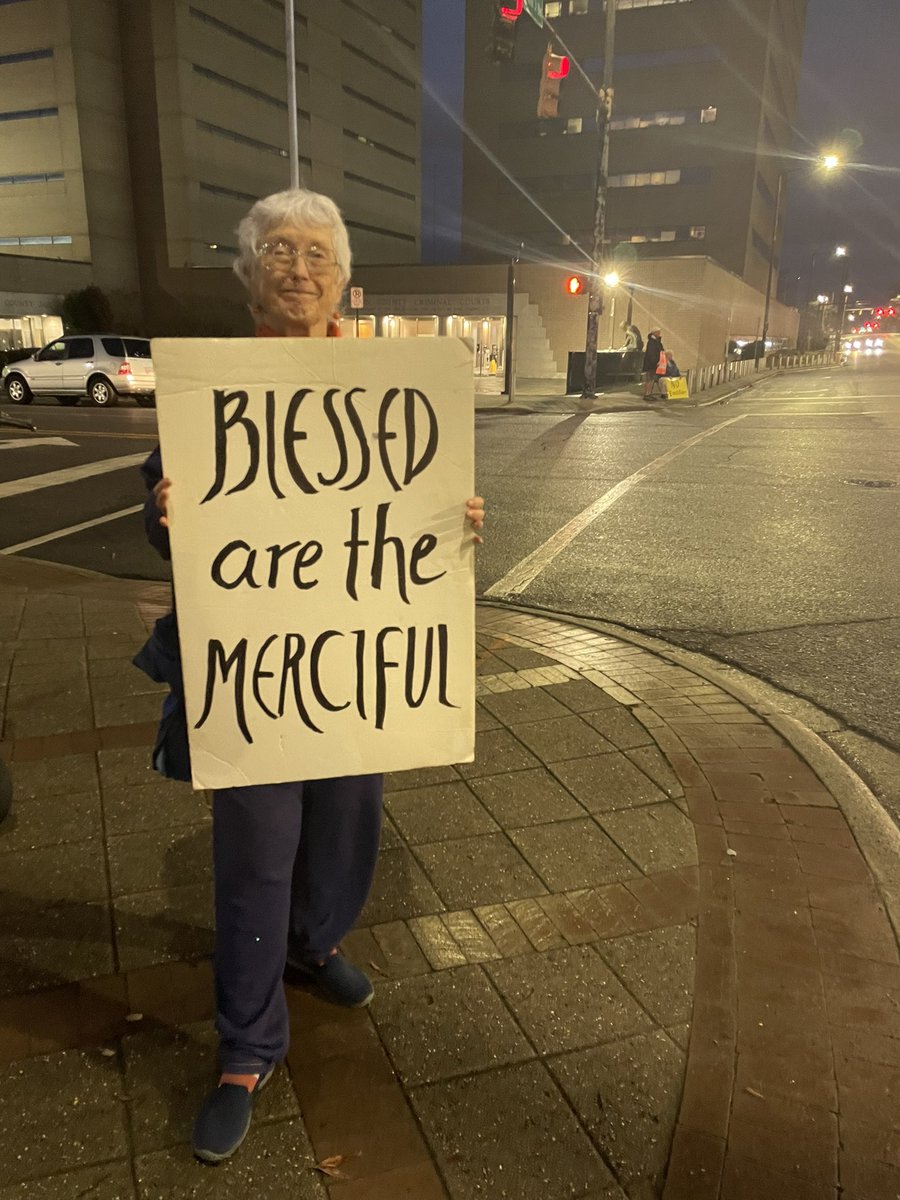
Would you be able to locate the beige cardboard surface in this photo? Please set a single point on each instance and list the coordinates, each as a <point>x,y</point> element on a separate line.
<point>324,571</point>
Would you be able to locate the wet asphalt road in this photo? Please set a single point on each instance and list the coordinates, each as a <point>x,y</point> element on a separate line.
<point>758,543</point>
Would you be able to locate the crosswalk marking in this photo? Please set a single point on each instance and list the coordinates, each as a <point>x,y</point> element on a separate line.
<point>18,443</point>
<point>61,533</point>
<point>32,483</point>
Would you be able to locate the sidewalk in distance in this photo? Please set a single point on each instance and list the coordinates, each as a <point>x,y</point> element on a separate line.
<point>626,399</point>
<point>632,950</point>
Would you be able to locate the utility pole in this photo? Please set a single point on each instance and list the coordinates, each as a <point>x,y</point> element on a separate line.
<point>775,224</point>
<point>291,55</point>
<point>509,370</point>
<point>604,115</point>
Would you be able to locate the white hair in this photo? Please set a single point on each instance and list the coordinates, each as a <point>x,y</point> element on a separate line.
<point>299,207</point>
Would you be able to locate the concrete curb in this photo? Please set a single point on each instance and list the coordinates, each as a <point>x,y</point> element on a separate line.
<point>877,835</point>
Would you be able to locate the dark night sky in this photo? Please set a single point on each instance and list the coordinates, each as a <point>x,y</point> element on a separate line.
<point>850,81</point>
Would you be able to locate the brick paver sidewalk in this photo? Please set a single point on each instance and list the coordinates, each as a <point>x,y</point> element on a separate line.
<point>633,950</point>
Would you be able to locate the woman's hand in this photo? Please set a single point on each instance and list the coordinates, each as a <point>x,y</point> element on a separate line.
<point>475,516</point>
<point>161,496</point>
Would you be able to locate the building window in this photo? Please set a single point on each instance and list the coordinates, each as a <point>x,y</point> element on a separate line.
<point>374,62</point>
<point>391,112</point>
<point>683,233</point>
<point>224,80</point>
<point>392,233</point>
<point>27,114</point>
<point>578,8</point>
<point>708,115</point>
<point>648,3</point>
<point>236,33</point>
<point>761,245</point>
<point>574,125</point>
<point>364,12</point>
<point>241,138</point>
<point>381,187</point>
<point>215,189</point>
<point>24,56</point>
<point>553,8</point>
<point>39,239</point>
<point>645,179</point>
<point>46,177</point>
<point>380,146</point>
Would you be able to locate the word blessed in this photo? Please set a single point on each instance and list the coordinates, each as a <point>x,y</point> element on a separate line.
<point>246,446</point>
<point>288,675</point>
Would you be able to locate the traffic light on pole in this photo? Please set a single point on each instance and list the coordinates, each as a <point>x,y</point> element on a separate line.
<point>503,33</point>
<point>574,285</point>
<point>554,68</point>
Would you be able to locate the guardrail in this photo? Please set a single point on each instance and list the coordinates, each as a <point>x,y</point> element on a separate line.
<point>701,378</point>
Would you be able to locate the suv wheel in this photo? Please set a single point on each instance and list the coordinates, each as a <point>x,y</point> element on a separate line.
<point>18,390</point>
<point>68,401</point>
<point>102,393</point>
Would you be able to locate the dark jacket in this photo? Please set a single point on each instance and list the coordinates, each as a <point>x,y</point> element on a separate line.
<point>652,352</point>
<point>160,656</point>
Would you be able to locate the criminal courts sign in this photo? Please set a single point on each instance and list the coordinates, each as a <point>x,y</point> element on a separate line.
<point>323,568</point>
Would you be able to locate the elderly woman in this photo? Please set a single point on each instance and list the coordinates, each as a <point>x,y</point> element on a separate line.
<point>293,862</point>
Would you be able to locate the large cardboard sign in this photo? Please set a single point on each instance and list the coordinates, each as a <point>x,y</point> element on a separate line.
<point>323,567</point>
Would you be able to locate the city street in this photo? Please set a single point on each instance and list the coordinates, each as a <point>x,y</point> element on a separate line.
<point>760,531</point>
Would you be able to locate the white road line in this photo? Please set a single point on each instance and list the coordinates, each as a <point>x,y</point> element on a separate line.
<point>17,443</point>
<point>524,573</point>
<point>17,487</point>
<point>61,533</point>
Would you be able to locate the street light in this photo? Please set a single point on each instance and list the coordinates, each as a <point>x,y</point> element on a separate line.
<point>840,252</point>
<point>611,281</point>
<point>846,290</point>
<point>828,162</point>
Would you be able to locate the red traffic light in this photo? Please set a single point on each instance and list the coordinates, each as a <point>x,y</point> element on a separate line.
<point>513,11</point>
<point>558,67</point>
<point>574,285</point>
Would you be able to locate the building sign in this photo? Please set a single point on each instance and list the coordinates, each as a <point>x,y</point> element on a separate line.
<point>535,10</point>
<point>28,304</point>
<point>443,304</point>
<point>322,563</point>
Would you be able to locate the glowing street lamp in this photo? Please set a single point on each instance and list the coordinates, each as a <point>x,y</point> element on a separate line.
<point>831,162</point>
<point>840,252</point>
<point>611,279</point>
<point>822,298</point>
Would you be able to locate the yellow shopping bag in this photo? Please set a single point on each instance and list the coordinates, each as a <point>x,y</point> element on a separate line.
<point>676,388</point>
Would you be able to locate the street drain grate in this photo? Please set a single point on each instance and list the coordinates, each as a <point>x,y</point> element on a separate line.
<point>871,483</point>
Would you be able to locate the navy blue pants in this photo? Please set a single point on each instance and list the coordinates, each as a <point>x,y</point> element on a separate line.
<point>293,866</point>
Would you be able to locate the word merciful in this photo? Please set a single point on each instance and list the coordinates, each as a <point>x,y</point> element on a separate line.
<point>287,673</point>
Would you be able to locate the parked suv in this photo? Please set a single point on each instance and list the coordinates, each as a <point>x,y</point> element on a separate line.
<point>101,366</point>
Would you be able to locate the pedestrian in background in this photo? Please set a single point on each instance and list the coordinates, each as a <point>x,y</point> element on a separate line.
<point>633,338</point>
<point>293,862</point>
<point>654,357</point>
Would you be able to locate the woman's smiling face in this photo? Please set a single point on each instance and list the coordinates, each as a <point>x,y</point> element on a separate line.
<point>296,286</point>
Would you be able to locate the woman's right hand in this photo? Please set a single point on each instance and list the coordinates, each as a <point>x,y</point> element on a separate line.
<point>161,496</point>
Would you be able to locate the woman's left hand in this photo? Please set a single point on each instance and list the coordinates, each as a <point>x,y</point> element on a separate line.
<point>475,516</point>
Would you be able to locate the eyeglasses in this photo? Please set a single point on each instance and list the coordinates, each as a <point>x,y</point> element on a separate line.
<point>282,256</point>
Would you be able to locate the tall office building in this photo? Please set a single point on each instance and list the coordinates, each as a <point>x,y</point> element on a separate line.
<point>705,96</point>
<point>134,134</point>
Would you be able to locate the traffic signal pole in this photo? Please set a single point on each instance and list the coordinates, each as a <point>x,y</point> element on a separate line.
<point>604,115</point>
<point>291,57</point>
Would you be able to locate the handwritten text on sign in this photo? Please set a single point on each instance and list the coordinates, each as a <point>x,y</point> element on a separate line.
<point>323,568</point>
